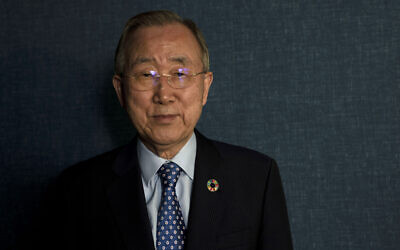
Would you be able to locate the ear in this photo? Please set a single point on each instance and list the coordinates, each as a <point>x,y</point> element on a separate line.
<point>117,83</point>
<point>208,78</point>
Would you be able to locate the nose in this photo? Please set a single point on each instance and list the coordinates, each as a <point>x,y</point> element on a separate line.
<point>163,93</point>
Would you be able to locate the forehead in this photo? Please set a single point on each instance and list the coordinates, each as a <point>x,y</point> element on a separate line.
<point>159,43</point>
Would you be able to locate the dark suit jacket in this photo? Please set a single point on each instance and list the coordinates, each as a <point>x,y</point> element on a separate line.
<point>100,204</point>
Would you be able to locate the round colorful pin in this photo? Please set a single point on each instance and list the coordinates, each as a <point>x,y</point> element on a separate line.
<point>212,185</point>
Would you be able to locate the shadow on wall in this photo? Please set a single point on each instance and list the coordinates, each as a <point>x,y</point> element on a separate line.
<point>40,112</point>
<point>57,110</point>
<point>116,120</point>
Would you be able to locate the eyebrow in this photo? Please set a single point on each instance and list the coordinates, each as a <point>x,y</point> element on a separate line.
<point>179,59</point>
<point>141,60</point>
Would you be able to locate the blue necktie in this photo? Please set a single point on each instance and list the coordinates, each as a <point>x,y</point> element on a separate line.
<point>170,223</point>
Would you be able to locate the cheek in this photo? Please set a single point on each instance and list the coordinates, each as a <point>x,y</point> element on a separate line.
<point>199,95</point>
<point>136,106</point>
<point>193,104</point>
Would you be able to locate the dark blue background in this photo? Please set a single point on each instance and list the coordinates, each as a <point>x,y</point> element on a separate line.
<point>314,84</point>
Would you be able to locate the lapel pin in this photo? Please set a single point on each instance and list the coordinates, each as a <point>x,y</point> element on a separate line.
<point>212,185</point>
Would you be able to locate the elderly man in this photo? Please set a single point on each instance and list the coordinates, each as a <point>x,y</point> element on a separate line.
<point>170,188</point>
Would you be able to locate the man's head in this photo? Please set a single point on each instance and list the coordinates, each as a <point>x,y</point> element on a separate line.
<point>162,79</point>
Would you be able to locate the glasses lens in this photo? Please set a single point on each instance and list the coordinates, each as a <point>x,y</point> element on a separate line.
<point>145,80</point>
<point>177,78</point>
<point>178,81</point>
<point>180,78</point>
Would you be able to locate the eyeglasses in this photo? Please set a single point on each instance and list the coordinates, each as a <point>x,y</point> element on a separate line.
<point>177,79</point>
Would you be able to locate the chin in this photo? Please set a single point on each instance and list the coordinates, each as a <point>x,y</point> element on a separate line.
<point>168,137</point>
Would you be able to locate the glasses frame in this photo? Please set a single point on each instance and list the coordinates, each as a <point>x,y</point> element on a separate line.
<point>157,79</point>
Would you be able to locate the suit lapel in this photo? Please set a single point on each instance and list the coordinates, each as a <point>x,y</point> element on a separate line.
<point>127,200</point>
<point>206,206</point>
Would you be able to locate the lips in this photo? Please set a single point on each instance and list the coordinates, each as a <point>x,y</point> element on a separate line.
<point>167,118</point>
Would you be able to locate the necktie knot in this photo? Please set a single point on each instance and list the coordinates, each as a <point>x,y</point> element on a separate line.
<point>169,173</point>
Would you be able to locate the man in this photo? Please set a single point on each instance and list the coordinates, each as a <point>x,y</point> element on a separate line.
<point>170,188</point>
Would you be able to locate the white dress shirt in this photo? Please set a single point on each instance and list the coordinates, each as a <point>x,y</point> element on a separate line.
<point>150,163</point>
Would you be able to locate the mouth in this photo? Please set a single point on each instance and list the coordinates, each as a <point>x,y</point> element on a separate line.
<point>164,119</point>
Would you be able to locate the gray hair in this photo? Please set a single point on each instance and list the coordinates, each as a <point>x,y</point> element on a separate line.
<point>156,18</point>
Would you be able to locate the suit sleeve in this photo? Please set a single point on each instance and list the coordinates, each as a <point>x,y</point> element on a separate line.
<point>275,232</point>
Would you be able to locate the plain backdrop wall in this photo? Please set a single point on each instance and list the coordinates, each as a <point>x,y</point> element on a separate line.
<point>313,84</point>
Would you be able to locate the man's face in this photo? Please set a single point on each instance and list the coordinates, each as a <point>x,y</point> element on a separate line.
<point>163,116</point>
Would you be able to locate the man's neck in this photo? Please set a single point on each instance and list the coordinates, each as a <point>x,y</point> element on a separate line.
<point>165,151</point>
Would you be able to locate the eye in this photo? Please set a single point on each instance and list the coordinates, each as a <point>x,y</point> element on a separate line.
<point>148,74</point>
<point>179,74</point>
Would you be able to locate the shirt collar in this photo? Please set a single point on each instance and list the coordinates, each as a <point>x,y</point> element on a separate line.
<point>150,163</point>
